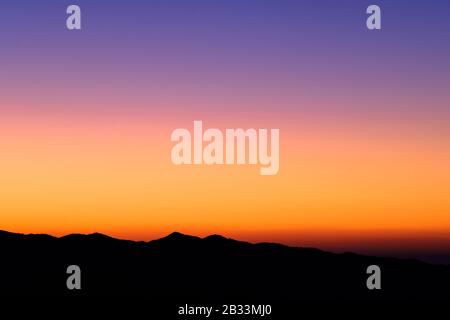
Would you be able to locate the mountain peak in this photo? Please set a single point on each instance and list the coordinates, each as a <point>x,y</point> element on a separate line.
<point>216,237</point>
<point>177,236</point>
<point>97,235</point>
<point>91,236</point>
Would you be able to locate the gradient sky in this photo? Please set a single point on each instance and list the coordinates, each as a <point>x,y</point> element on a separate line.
<point>86,118</point>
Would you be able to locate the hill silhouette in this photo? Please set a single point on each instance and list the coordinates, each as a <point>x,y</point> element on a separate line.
<point>213,268</point>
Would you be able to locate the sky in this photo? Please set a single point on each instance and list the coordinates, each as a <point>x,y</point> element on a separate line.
<point>86,118</point>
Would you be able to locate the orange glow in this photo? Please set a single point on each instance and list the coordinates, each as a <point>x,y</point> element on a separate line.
<point>336,183</point>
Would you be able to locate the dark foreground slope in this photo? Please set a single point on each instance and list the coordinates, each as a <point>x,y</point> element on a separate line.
<point>213,268</point>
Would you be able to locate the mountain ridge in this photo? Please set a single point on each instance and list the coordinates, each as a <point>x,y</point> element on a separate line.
<point>213,267</point>
<point>179,236</point>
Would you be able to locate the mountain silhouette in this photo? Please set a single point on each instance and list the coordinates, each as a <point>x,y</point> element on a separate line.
<point>212,268</point>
